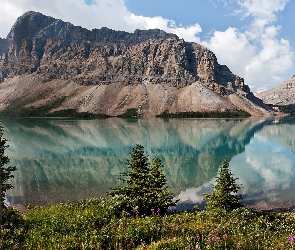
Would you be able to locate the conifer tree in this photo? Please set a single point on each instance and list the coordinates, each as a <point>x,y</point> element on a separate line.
<point>5,171</point>
<point>160,196</point>
<point>145,186</point>
<point>224,195</point>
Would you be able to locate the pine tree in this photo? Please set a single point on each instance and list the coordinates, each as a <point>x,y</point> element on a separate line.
<point>5,171</point>
<point>160,196</point>
<point>145,186</point>
<point>224,195</point>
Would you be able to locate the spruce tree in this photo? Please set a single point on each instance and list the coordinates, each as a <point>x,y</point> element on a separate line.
<point>224,195</point>
<point>145,186</point>
<point>5,171</point>
<point>160,196</point>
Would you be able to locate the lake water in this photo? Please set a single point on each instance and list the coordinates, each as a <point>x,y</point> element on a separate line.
<point>62,160</point>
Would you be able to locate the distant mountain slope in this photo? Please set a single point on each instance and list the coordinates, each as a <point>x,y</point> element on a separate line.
<point>284,94</point>
<point>49,65</point>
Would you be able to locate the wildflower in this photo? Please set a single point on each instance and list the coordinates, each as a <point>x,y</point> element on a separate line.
<point>158,210</point>
<point>291,238</point>
<point>197,247</point>
<point>198,237</point>
<point>209,240</point>
<point>137,213</point>
<point>153,210</point>
<point>187,248</point>
<point>224,236</point>
<point>218,238</point>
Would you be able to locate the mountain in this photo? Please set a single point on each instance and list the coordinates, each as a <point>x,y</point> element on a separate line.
<point>48,66</point>
<point>282,95</point>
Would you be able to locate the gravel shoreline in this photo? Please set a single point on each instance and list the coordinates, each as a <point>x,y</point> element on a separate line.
<point>273,206</point>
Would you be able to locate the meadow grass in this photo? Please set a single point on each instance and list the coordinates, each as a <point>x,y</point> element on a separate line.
<point>90,224</point>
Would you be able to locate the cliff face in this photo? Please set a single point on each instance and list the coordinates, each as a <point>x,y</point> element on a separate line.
<point>282,95</point>
<point>45,61</point>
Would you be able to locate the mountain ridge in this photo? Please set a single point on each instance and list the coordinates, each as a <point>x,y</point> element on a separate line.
<point>281,95</point>
<point>48,63</point>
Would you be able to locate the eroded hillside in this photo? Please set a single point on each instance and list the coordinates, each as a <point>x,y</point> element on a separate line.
<point>48,65</point>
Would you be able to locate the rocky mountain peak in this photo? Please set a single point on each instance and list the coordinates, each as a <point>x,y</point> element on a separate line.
<point>30,25</point>
<point>43,49</point>
<point>33,25</point>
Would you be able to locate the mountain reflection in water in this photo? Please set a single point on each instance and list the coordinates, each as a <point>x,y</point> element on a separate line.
<point>62,160</point>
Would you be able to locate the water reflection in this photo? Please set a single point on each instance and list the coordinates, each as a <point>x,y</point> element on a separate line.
<point>60,160</point>
<point>271,161</point>
<point>265,168</point>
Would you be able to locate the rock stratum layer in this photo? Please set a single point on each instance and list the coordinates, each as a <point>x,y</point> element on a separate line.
<point>50,65</point>
<point>282,95</point>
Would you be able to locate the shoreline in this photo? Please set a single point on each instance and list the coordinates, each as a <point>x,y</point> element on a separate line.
<point>263,206</point>
<point>273,206</point>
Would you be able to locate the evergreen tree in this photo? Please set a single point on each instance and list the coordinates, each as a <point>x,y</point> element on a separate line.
<point>145,186</point>
<point>224,195</point>
<point>5,171</point>
<point>160,196</point>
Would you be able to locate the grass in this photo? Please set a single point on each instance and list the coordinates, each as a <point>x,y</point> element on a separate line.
<point>91,224</point>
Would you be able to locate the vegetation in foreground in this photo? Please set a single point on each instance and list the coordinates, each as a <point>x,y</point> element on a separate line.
<point>5,171</point>
<point>133,219</point>
<point>90,224</point>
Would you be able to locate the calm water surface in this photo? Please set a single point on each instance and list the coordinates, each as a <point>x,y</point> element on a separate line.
<point>62,160</point>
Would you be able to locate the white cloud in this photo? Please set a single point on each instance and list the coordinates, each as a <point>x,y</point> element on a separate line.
<point>256,52</point>
<point>102,13</point>
<point>9,14</point>
<point>273,59</point>
<point>261,9</point>
<point>232,48</point>
<point>188,33</point>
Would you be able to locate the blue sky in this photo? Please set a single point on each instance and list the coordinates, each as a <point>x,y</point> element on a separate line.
<point>254,38</point>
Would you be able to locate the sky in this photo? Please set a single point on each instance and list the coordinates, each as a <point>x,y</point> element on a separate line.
<point>254,38</point>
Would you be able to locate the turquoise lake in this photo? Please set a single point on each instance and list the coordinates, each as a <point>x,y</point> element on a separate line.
<point>62,160</point>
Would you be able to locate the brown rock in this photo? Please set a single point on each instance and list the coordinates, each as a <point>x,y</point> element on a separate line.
<point>107,71</point>
<point>284,94</point>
